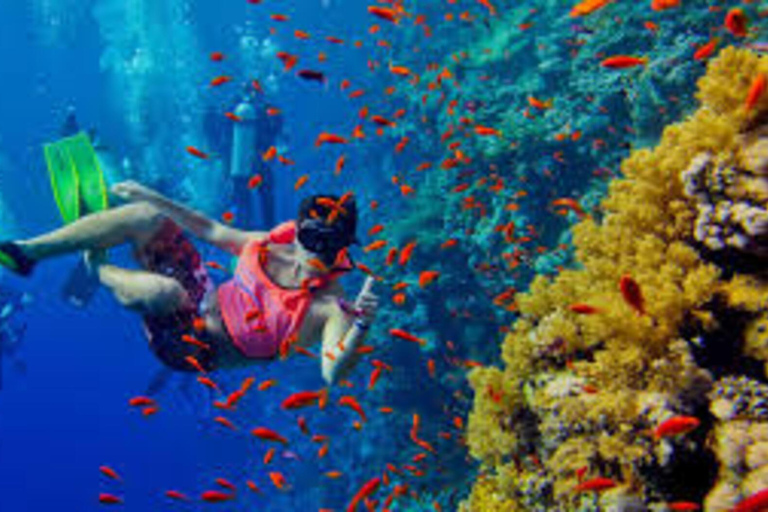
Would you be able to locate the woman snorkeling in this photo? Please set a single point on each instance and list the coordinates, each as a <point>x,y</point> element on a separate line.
<point>284,292</point>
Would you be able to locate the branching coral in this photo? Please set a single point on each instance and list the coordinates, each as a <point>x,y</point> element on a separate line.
<point>591,386</point>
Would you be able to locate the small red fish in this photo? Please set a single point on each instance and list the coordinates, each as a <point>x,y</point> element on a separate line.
<point>268,435</point>
<point>399,333</point>
<point>623,62</point>
<point>176,495</point>
<point>677,426</point>
<point>141,401</point>
<point>197,153</point>
<point>683,506</point>
<point>598,484</point>
<point>216,497</point>
<point>220,80</point>
<point>109,472</point>
<point>583,309</point>
<point>632,294</point>
<point>109,499</point>
<point>384,13</point>
<point>278,480</point>
<point>352,403</point>
<point>736,22</point>
<point>756,91</point>
<point>706,51</point>
<point>217,56</point>
<point>365,491</point>
<point>329,138</point>
<point>755,503</point>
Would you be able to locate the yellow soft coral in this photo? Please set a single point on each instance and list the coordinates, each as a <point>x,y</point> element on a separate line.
<point>631,360</point>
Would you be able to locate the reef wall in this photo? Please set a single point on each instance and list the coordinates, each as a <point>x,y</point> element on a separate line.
<point>588,377</point>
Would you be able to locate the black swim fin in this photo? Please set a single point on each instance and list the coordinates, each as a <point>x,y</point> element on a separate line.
<point>81,285</point>
<point>14,259</point>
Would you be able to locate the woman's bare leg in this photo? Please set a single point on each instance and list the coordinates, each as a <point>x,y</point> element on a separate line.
<point>144,292</point>
<point>136,223</point>
<point>139,290</point>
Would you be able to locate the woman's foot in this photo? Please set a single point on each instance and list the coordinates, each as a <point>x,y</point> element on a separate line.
<point>13,258</point>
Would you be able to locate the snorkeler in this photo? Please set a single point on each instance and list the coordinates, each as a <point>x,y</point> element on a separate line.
<point>284,292</point>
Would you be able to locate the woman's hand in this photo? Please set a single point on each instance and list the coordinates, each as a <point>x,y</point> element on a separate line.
<point>366,306</point>
<point>133,191</point>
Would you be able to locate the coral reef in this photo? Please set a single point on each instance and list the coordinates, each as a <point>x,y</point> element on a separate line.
<point>740,441</point>
<point>582,389</point>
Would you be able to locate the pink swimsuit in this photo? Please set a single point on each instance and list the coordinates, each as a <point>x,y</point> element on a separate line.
<point>257,312</point>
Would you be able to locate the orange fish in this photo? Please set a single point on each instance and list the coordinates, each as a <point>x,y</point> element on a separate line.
<point>268,435</point>
<point>269,154</point>
<point>109,472</point>
<point>109,499</point>
<point>365,491</point>
<point>278,480</point>
<point>405,254</point>
<point>706,51</point>
<point>265,385</point>
<point>623,62</point>
<point>220,80</point>
<point>537,103</point>
<point>487,4</point>
<point>588,7</point>
<point>289,61</point>
<point>583,309</point>
<point>598,484</point>
<point>756,91</point>
<point>216,497</point>
<point>485,131</point>
<point>351,402</point>
<point>339,165</point>
<point>374,246</point>
<point>141,401</point>
<point>217,56</point>
<point>233,117</point>
<point>329,138</point>
<point>304,399</point>
<point>683,506</point>
<point>255,181</point>
<point>334,474</point>
<point>632,294</point>
<point>176,495</point>
<point>677,426</point>
<point>660,5</point>
<point>301,181</point>
<point>399,333</point>
<point>196,152</point>
<point>221,420</point>
<point>384,13</point>
<point>427,277</point>
<point>736,22</point>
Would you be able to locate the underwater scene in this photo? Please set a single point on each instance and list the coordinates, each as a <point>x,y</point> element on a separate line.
<point>384,255</point>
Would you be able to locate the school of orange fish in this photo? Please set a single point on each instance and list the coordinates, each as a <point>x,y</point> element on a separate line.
<point>389,15</point>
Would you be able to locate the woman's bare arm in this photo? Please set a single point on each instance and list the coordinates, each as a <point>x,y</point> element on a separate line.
<point>215,233</point>
<point>344,333</point>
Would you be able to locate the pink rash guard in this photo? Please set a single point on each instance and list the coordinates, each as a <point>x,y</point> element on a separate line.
<point>258,313</point>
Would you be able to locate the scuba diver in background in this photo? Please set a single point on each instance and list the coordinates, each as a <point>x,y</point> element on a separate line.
<point>284,290</point>
<point>12,330</point>
<point>241,144</point>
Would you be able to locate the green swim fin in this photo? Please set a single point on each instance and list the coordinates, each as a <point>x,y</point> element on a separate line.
<point>76,177</point>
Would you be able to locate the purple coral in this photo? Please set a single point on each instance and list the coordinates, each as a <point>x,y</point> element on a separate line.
<point>728,217</point>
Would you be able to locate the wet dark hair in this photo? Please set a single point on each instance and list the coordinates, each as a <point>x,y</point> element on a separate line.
<point>338,233</point>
